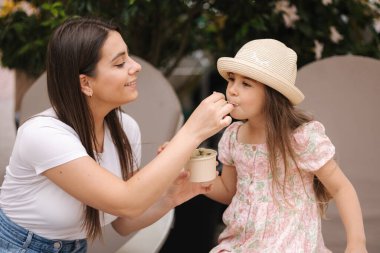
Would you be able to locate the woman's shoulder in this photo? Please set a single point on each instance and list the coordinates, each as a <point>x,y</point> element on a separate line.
<point>44,121</point>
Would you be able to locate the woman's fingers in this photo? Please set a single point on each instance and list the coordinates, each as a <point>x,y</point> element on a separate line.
<point>210,116</point>
<point>214,97</point>
<point>226,121</point>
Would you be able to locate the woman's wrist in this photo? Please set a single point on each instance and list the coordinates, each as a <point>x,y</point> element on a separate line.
<point>194,138</point>
<point>168,202</point>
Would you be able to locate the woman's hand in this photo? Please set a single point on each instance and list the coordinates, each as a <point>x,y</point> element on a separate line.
<point>182,189</point>
<point>210,116</point>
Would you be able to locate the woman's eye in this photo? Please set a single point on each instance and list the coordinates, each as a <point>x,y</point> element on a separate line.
<point>120,65</point>
<point>246,85</point>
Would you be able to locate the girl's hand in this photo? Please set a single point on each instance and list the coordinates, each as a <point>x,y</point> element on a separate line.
<point>182,189</point>
<point>210,116</point>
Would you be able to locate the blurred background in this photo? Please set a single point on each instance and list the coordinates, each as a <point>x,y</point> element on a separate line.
<point>183,39</point>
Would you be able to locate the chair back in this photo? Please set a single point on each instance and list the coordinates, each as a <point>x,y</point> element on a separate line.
<point>343,93</point>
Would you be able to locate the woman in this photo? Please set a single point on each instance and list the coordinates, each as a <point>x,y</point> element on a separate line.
<point>71,170</point>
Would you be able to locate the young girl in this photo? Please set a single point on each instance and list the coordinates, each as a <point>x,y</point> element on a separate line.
<point>278,169</point>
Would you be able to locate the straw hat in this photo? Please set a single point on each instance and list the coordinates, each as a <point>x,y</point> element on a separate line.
<point>268,61</point>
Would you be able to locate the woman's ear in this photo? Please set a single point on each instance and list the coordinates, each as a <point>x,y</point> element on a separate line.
<point>85,85</point>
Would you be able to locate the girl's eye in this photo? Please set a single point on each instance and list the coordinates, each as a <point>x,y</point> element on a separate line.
<point>230,79</point>
<point>246,84</point>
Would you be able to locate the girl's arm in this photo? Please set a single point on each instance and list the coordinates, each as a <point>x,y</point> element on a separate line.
<point>224,186</point>
<point>91,184</point>
<point>347,203</point>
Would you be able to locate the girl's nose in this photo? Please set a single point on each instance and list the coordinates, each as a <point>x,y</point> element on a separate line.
<point>231,89</point>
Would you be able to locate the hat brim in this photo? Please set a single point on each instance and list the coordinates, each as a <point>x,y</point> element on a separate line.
<point>226,65</point>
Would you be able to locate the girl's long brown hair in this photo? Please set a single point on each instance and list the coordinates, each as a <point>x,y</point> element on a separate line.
<point>282,119</point>
<point>74,49</point>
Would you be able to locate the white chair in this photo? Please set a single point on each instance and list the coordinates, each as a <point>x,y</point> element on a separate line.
<point>158,112</point>
<point>343,93</point>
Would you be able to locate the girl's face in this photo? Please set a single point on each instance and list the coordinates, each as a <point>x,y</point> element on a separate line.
<point>247,96</point>
<point>114,83</point>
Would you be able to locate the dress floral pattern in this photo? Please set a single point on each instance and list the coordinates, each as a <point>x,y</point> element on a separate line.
<point>263,219</point>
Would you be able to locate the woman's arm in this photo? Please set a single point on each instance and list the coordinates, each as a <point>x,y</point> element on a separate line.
<point>181,191</point>
<point>85,180</point>
<point>347,203</point>
<point>224,186</point>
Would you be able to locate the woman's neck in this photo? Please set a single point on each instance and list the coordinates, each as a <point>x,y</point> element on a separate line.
<point>99,131</point>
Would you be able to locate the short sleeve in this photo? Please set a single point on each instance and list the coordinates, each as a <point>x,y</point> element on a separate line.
<point>225,145</point>
<point>47,143</point>
<point>313,147</point>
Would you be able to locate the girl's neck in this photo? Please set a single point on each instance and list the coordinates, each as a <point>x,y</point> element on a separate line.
<point>254,132</point>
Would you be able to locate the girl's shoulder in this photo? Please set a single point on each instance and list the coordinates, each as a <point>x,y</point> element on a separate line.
<point>309,128</point>
<point>313,146</point>
<point>234,127</point>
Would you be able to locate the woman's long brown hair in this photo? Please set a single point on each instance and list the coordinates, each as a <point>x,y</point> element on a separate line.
<point>282,119</point>
<point>74,49</point>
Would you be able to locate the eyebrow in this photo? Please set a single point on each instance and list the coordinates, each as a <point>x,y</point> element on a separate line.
<point>120,54</point>
<point>250,79</point>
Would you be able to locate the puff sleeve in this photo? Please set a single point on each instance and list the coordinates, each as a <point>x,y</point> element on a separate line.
<point>313,147</point>
<point>226,143</point>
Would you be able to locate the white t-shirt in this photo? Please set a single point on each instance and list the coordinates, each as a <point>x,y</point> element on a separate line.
<point>30,199</point>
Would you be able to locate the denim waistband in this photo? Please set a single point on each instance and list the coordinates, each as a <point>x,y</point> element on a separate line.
<point>26,239</point>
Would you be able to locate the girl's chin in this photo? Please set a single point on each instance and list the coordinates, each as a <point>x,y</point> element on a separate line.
<point>237,116</point>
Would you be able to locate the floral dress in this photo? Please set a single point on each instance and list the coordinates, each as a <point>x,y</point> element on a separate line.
<point>264,219</point>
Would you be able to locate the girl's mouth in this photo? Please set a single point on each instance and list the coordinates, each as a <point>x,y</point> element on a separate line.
<point>234,104</point>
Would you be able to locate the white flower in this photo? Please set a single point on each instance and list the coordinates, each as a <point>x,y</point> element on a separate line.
<point>27,7</point>
<point>335,36</point>
<point>289,12</point>
<point>326,2</point>
<point>344,18</point>
<point>318,49</point>
<point>376,25</point>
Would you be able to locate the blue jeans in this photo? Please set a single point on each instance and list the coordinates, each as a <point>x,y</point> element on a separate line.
<point>16,239</point>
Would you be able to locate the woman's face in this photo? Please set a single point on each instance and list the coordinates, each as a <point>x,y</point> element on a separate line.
<point>247,96</point>
<point>115,79</point>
